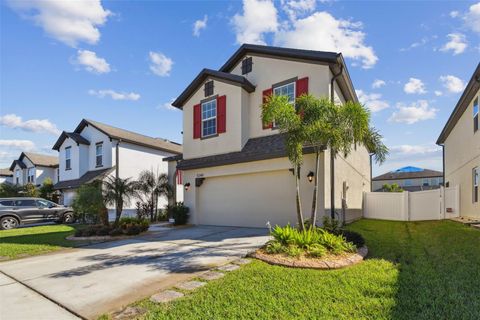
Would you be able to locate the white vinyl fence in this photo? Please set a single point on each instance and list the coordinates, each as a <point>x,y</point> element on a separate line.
<point>435,204</point>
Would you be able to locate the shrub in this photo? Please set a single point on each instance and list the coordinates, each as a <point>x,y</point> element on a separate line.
<point>353,237</point>
<point>179,212</point>
<point>88,204</point>
<point>317,251</point>
<point>133,229</point>
<point>285,235</point>
<point>116,232</point>
<point>274,247</point>
<point>294,251</point>
<point>331,225</point>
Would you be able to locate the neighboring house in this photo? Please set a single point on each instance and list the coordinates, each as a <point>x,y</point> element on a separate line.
<point>235,167</point>
<point>34,168</point>
<point>410,179</point>
<point>460,139</point>
<point>95,150</point>
<point>6,176</point>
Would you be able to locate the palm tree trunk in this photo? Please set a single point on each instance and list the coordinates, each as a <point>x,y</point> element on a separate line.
<point>118,212</point>
<point>298,200</point>
<point>313,218</point>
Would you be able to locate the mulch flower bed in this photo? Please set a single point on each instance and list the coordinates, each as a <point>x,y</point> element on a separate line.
<point>327,262</point>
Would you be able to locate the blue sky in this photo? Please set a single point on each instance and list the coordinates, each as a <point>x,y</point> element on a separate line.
<point>123,62</point>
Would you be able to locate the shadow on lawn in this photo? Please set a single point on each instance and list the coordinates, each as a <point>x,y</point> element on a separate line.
<point>439,267</point>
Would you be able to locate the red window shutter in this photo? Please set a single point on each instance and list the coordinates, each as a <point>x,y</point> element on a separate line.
<point>301,87</point>
<point>197,121</point>
<point>222,114</point>
<point>265,94</point>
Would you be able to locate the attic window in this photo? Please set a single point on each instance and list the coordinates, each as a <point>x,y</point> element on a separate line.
<point>247,65</point>
<point>208,88</point>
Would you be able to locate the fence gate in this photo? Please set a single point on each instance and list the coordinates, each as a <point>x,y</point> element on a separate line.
<point>434,204</point>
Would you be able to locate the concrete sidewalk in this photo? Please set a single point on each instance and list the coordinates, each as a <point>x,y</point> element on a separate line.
<point>104,277</point>
<point>18,302</point>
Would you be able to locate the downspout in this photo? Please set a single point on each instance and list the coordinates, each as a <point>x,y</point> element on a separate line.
<point>332,154</point>
<point>117,159</point>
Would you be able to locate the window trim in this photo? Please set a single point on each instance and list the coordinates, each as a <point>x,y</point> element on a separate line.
<point>475,184</point>
<point>202,103</point>
<point>281,84</point>
<point>205,88</point>
<point>247,62</point>
<point>98,144</point>
<point>476,116</point>
<point>30,178</point>
<point>68,160</point>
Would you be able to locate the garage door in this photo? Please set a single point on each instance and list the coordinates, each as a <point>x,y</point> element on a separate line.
<point>248,200</point>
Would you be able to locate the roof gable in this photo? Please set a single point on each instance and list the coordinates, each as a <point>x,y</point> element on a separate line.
<point>79,139</point>
<point>468,94</point>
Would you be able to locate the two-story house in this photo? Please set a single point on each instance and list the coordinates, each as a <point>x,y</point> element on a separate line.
<point>409,179</point>
<point>6,176</point>
<point>460,139</point>
<point>95,150</point>
<point>235,169</point>
<point>34,168</point>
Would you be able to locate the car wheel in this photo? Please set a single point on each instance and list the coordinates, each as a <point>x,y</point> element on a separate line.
<point>68,218</point>
<point>7,223</point>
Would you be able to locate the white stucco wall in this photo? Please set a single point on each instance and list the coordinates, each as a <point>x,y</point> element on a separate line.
<point>462,154</point>
<point>43,173</point>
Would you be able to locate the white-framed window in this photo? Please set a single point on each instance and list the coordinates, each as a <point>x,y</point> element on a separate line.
<point>68,159</point>
<point>99,154</point>
<point>17,176</point>
<point>209,118</point>
<point>286,90</point>
<point>31,175</point>
<point>475,183</point>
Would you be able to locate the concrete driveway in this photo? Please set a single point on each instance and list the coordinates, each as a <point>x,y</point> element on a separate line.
<point>92,280</point>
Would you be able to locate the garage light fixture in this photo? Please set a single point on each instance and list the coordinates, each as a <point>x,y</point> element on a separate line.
<point>187,186</point>
<point>310,176</point>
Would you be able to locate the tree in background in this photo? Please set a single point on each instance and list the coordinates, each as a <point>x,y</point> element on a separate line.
<point>89,205</point>
<point>29,190</point>
<point>9,190</point>
<point>118,191</point>
<point>392,188</point>
<point>152,186</point>
<point>47,191</point>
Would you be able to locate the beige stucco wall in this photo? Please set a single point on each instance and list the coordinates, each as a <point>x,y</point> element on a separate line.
<point>251,193</point>
<point>462,154</point>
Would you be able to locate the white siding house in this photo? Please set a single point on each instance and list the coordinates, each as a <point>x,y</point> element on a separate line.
<point>235,167</point>
<point>95,150</point>
<point>34,168</point>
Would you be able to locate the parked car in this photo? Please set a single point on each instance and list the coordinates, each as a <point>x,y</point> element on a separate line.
<point>19,211</point>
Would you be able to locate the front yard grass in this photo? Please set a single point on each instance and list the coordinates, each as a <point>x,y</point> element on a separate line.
<point>23,242</point>
<point>415,270</point>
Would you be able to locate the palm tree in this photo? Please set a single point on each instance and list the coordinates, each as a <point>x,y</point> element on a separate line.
<point>119,191</point>
<point>280,110</point>
<point>154,185</point>
<point>338,128</point>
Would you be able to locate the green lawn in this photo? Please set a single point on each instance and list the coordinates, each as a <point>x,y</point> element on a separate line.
<point>424,270</point>
<point>23,242</point>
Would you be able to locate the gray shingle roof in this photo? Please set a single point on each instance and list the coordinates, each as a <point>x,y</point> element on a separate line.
<point>72,135</point>
<point>88,177</point>
<point>261,148</point>
<point>426,173</point>
<point>6,172</point>
<point>37,159</point>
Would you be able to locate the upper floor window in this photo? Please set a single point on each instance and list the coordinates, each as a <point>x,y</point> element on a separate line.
<point>17,176</point>
<point>31,175</point>
<point>209,118</point>
<point>68,159</point>
<point>247,65</point>
<point>286,90</point>
<point>208,88</point>
<point>99,154</point>
<point>475,115</point>
<point>475,180</point>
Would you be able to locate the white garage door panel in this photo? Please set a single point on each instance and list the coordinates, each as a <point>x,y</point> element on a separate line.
<point>248,200</point>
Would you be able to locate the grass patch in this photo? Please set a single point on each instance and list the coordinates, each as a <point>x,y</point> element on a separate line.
<point>23,242</point>
<point>424,270</point>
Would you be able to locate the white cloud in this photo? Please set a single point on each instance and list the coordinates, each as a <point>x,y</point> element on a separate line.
<point>168,105</point>
<point>454,14</point>
<point>24,145</point>
<point>414,86</point>
<point>457,44</point>
<point>91,62</point>
<point>416,44</point>
<point>115,95</point>
<point>472,18</point>
<point>438,93</point>
<point>15,122</point>
<point>199,25</point>
<point>295,8</point>
<point>161,65</point>
<point>70,22</point>
<point>259,17</point>
<point>336,35</point>
<point>372,101</point>
<point>407,149</point>
<point>415,112</point>
<point>424,156</point>
<point>452,83</point>
<point>377,83</point>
